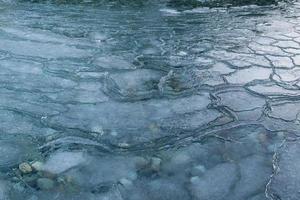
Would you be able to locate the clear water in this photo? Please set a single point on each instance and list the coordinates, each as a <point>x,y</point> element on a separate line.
<point>149,100</point>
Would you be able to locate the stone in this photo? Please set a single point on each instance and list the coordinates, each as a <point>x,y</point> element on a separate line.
<point>63,161</point>
<point>155,163</point>
<point>45,183</point>
<point>211,185</point>
<point>37,165</point>
<point>126,182</point>
<point>31,179</point>
<point>141,162</point>
<point>25,168</point>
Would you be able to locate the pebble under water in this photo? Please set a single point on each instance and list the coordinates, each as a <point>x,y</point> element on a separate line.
<point>149,100</point>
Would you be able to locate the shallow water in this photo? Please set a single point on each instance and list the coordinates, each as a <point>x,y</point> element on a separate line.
<point>149,100</point>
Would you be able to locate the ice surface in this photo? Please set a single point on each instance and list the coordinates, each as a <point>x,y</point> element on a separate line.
<point>285,181</point>
<point>149,100</point>
<point>243,76</point>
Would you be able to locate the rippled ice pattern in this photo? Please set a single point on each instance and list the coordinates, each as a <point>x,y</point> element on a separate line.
<point>149,100</point>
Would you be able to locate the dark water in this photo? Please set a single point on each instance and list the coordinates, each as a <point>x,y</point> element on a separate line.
<point>149,100</point>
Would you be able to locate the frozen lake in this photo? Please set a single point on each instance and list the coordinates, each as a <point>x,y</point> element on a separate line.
<point>149,100</point>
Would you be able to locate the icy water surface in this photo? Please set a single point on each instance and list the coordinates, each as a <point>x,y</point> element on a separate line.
<point>149,100</point>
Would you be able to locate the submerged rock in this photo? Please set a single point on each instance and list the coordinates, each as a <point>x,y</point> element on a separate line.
<point>37,166</point>
<point>133,85</point>
<point>25,168</point>
<point>45,183</point>
<point>155,163</point>
<point>216,183</point>
<point>63,161</point>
